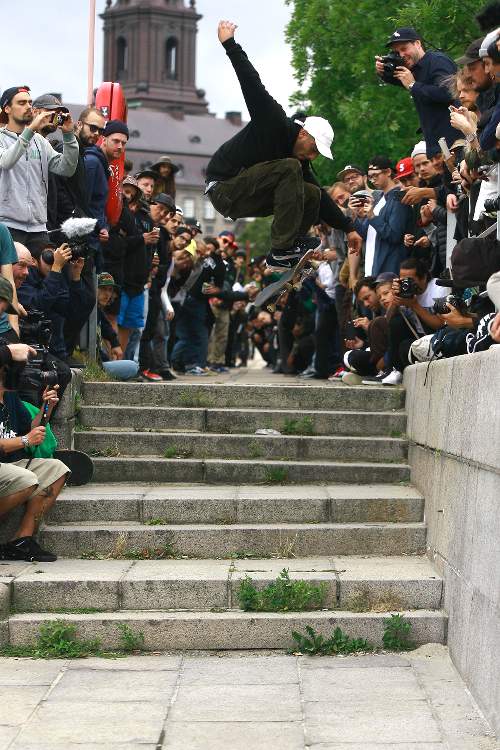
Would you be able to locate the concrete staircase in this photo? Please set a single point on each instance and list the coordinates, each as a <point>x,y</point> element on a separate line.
<point>181,474</point>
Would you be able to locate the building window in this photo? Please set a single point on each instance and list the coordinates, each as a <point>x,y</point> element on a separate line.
<point>121,57</point>
<point>208,210</point>
<point>188,207</point>
<point>171,58</point>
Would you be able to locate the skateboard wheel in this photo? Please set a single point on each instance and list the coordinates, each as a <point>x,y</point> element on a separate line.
<point>271,308</point>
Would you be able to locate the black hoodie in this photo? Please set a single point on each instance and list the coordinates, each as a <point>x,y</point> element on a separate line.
<point>269,135</point>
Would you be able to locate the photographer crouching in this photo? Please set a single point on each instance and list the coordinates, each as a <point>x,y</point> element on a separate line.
<point>52,292</point>
<point>24,480</point>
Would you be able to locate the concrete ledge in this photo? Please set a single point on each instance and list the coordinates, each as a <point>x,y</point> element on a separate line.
<point>454,433</point>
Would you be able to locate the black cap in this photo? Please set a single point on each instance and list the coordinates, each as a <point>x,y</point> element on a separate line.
<point>49,102</point>
<point>115,126</point>
<point>380,162</point>
<point>182,230</point>
<point>164,200</point>
<point>385,277</point>
<point>146,173</point>
<point>9,94</point>
<point>403,34</point>
<point>471,53</point>
<point>350,168</point>
<point>193,223</point>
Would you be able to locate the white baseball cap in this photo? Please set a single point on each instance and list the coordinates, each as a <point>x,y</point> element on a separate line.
<point>420,148</point>
<point>321,131</point>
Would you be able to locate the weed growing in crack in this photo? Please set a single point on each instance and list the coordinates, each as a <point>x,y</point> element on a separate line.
<point>302,426</point>
<point>397,634</point>
<point>315,644</point>
<point>283,595</point>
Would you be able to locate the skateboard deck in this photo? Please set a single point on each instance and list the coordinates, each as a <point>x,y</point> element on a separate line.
<point>82,468</point>
<point>291,279</point>
<point>110,98</point>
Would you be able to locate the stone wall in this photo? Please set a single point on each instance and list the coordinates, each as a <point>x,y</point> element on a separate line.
<point>454,433</point>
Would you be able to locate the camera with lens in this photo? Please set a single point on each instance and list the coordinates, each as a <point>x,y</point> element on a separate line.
<point>408,288</point>
<point>492,205</point>
<point>440,306</point>
<point>391,61</point>
<point>59,117</point>
<point>79,249</point>
<point>40,370</point>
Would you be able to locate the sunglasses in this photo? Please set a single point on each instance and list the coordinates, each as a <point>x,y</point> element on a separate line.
<point>94,128</point>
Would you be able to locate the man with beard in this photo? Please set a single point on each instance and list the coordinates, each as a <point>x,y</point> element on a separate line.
<point>26,159</point>
<point>265,169</point>
<point>71,192</point>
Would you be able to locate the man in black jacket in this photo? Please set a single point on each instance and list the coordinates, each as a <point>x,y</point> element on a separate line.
<point>265,169</point>
<point>423,77</point>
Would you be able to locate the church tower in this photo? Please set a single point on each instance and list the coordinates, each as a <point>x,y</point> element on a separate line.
<point>150,48</point>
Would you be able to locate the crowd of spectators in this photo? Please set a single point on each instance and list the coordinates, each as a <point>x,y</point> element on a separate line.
<point>165,300</point>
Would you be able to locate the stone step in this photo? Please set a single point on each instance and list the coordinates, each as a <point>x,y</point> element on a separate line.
<point>200,503</point>
<point>220,541</point>
<point>249,447</point>
<point>351,583</point>
<point>225,471</point>
<point>359,423</point>
<point>327,396</point>
<point>225,630</point>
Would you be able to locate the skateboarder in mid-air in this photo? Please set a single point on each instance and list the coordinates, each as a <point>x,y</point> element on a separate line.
<point>265,169</point>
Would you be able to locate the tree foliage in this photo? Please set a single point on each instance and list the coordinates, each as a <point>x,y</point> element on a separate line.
<point>258,233</point>
<point>333,48</point>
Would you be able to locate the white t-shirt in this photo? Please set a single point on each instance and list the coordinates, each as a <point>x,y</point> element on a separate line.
<point>432,292</point>
<point>326,277</point>
<point>371,238</point>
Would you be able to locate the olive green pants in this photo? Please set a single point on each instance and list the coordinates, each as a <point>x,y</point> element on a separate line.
<point>272,188</point>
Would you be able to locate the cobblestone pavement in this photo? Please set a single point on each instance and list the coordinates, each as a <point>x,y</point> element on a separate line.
<point>253,701</point>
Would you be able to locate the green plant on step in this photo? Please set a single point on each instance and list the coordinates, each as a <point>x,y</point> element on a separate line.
<point>56,640</point>
<point>130,640</point>
<point>315,644</point>
<point>276,475</point>
<point>94,372</point>
<point>283,595</point>
<point>397,634</point>
<point>255,449</point>
<point>172,451</point>
<point>302,426</point>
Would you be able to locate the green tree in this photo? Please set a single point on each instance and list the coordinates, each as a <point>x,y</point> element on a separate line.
<point>258,233</point>
<point>333,48</point>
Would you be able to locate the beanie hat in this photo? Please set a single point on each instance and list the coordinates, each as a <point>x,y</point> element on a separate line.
<point>115,126</point>
<point>419,148</point>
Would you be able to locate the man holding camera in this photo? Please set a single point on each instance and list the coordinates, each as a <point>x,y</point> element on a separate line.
<point>265,169</point>
<point>422,74</point>
<point>26,159</point>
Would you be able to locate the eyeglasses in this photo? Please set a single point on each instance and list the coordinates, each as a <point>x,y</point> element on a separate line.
<point>371,175</point>
<point>94,128</point>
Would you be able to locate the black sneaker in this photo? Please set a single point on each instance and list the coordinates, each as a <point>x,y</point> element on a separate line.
<point>307,243</point>
<point>301,246</point>
<point>376,379</point>
<point>281,264</point>
<point>167,375</point>
<point>26,548</point>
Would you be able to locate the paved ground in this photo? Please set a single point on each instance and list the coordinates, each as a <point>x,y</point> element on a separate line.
<point>251,701</point>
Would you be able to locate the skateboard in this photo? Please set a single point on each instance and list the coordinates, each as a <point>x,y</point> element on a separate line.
<point>82,468</point>
<point>110,98</point>
<point>290,280</point>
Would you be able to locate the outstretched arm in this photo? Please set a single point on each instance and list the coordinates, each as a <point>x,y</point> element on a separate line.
<point>260,103</point>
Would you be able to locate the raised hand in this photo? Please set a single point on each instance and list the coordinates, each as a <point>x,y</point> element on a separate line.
<point>226,30</point>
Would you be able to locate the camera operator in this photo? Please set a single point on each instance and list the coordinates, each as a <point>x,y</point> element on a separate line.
<point>421,73</point>
<point>24,181</point>
<point>60,297</point>
<point>413,293</point>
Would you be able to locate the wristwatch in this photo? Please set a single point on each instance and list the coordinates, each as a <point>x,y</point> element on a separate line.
<point>25,441</point>
<point>471,137</point>
<point>411,85</point>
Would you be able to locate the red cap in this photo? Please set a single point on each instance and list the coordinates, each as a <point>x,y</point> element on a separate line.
<point>404,167</point>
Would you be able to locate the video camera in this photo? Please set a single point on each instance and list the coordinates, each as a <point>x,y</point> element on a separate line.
<point>391,61</point>
<point>40,371</point>
<point>75,232</point>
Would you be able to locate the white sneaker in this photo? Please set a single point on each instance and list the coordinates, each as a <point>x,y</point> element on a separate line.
<point>352,378</point>
<point>394,378</point>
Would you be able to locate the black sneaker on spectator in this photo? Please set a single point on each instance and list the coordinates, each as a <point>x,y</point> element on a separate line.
<point>376,379</point>
<point>395,377</point>
<point>25,548</point>
<point>167,375</point>
<point>150,377</point>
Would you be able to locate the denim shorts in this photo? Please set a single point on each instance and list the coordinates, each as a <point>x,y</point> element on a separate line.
<point>131,313</point>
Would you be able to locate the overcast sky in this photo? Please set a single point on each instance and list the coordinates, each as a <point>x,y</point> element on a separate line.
<point>48,52</point>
